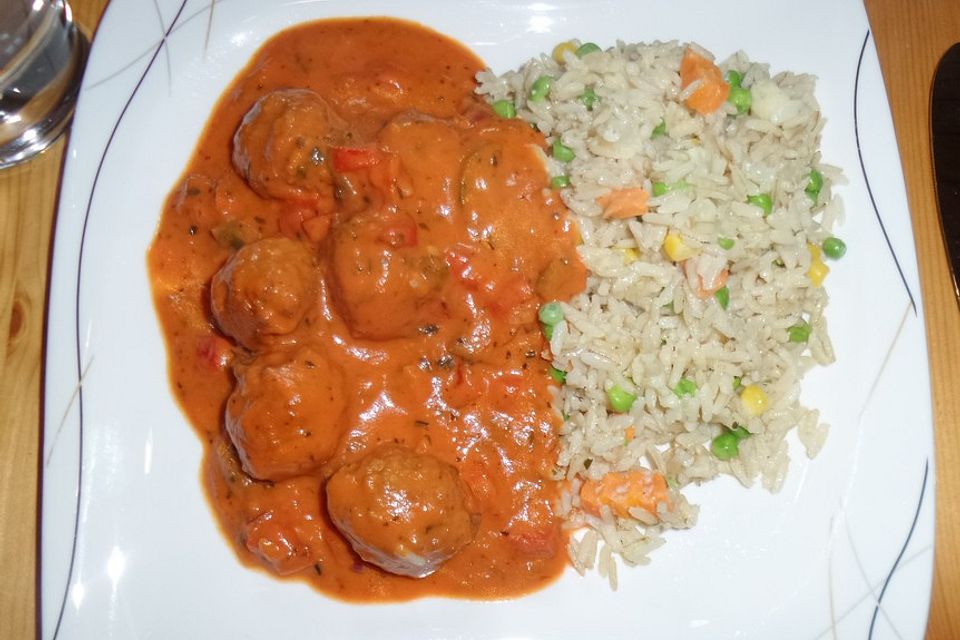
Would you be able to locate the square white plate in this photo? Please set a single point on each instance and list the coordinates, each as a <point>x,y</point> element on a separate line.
<point>129,546</point>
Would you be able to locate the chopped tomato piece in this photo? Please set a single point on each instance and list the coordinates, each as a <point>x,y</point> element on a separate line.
<point>316,228</point>
<point>399,231</point>
<point>291,222</point>
<point>353,158</point>
<point>214,352</point>
<point>535,540</point>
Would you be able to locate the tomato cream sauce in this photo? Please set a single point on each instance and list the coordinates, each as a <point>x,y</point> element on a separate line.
<point>347,277</point>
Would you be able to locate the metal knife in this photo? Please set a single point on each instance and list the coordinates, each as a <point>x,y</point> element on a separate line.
<point>945,130</point>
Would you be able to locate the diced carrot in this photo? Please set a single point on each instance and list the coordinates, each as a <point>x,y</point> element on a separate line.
<point>629,434</point>
<point>626,490</point>
<point>713,90</point>
<point>624,203</point>
<point>703,290</point>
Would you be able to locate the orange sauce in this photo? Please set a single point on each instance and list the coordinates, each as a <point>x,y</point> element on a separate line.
<point>453,195</point>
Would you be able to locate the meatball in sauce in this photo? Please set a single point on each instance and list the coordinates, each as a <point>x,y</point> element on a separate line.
<point>405,512</point>
<point>264,290</point>
<point>348,277</point>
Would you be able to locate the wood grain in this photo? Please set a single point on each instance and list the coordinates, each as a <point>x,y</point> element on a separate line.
<point>910,36</point>
<point>27,200</point>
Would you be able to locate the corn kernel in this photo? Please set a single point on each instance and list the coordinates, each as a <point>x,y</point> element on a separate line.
<point>817,272</point>
<point>754,399</point>
<point>562,48</point>
<point>676,249</point>
<point>630,256</point>
<point>814,252</point>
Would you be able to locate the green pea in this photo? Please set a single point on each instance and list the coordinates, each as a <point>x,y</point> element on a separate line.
<point>559,376</point>
<point>562,152</point>
<point>547,331</point>
<point>762,200</point>
<point>504,109</point>
<point>725,446</point>
<point>660,188</point>
<point>540,88</point>
<point>799,332</point>
<point>733,78</point>
<point>814,185</point>
<point>723,297</point>
<point>589,98</point>
<point>620,399</point>
<point>659,130</point>
<point>737,382</point>
<point>685,387</point>
<point>739,432</point>
<point>560,182</point>
<point>551,313</point>
<point>741,98</point>
<point>834,248</point>
<point>726,243</point>
<point>585,48</point>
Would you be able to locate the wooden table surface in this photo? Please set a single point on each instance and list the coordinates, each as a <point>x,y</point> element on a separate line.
<point>910,35</point>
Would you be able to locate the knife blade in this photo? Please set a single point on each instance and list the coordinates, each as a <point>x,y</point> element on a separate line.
<point>945,140</point>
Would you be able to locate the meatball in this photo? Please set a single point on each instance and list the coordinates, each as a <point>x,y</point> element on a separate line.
<point>282,144</point>
<point>405,512</point>
<point>385,283</point>
<point>264,289</point>
<point>284,415</point>
<point>285,529</point>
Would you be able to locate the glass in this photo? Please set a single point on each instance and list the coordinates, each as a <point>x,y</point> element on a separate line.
<point>42,55</point>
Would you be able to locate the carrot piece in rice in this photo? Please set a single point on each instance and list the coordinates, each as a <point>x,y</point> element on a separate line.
<point>622,491</point>
<point>624,203</point>
<point>713,90</point>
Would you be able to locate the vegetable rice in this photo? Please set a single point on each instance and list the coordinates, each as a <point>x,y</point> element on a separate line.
<point>702,203</point>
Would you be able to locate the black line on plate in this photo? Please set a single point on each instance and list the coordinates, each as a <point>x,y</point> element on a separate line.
<point>903,549</point>
<point>163,43</point>
<point>83,238</point>
<point>863,169</point>
<point>146,52</point>
<point>206,36</point>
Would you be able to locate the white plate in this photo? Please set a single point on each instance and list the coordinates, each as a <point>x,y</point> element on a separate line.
<point>130,548</point>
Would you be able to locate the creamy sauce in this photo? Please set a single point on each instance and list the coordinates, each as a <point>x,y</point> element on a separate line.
<point>424,240</point>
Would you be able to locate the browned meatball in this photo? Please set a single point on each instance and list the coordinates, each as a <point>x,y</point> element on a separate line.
<point>265,289</point>
<point>405,512</point>
<point>284,415</point>
<point>285,530</point>
<point>282,145</point>
<point>385,283</point>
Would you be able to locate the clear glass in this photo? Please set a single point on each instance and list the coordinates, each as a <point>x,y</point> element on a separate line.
<point>42,55</point>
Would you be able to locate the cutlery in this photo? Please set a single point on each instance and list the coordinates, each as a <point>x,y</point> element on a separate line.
<point>945,132</point>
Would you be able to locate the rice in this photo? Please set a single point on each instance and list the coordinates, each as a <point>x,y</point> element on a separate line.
<point>640,324</point>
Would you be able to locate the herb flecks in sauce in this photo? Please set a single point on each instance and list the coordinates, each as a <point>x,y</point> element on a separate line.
<point>368,247</point>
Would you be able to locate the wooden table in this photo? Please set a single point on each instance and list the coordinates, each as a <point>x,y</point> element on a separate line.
<point>911,37</point>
